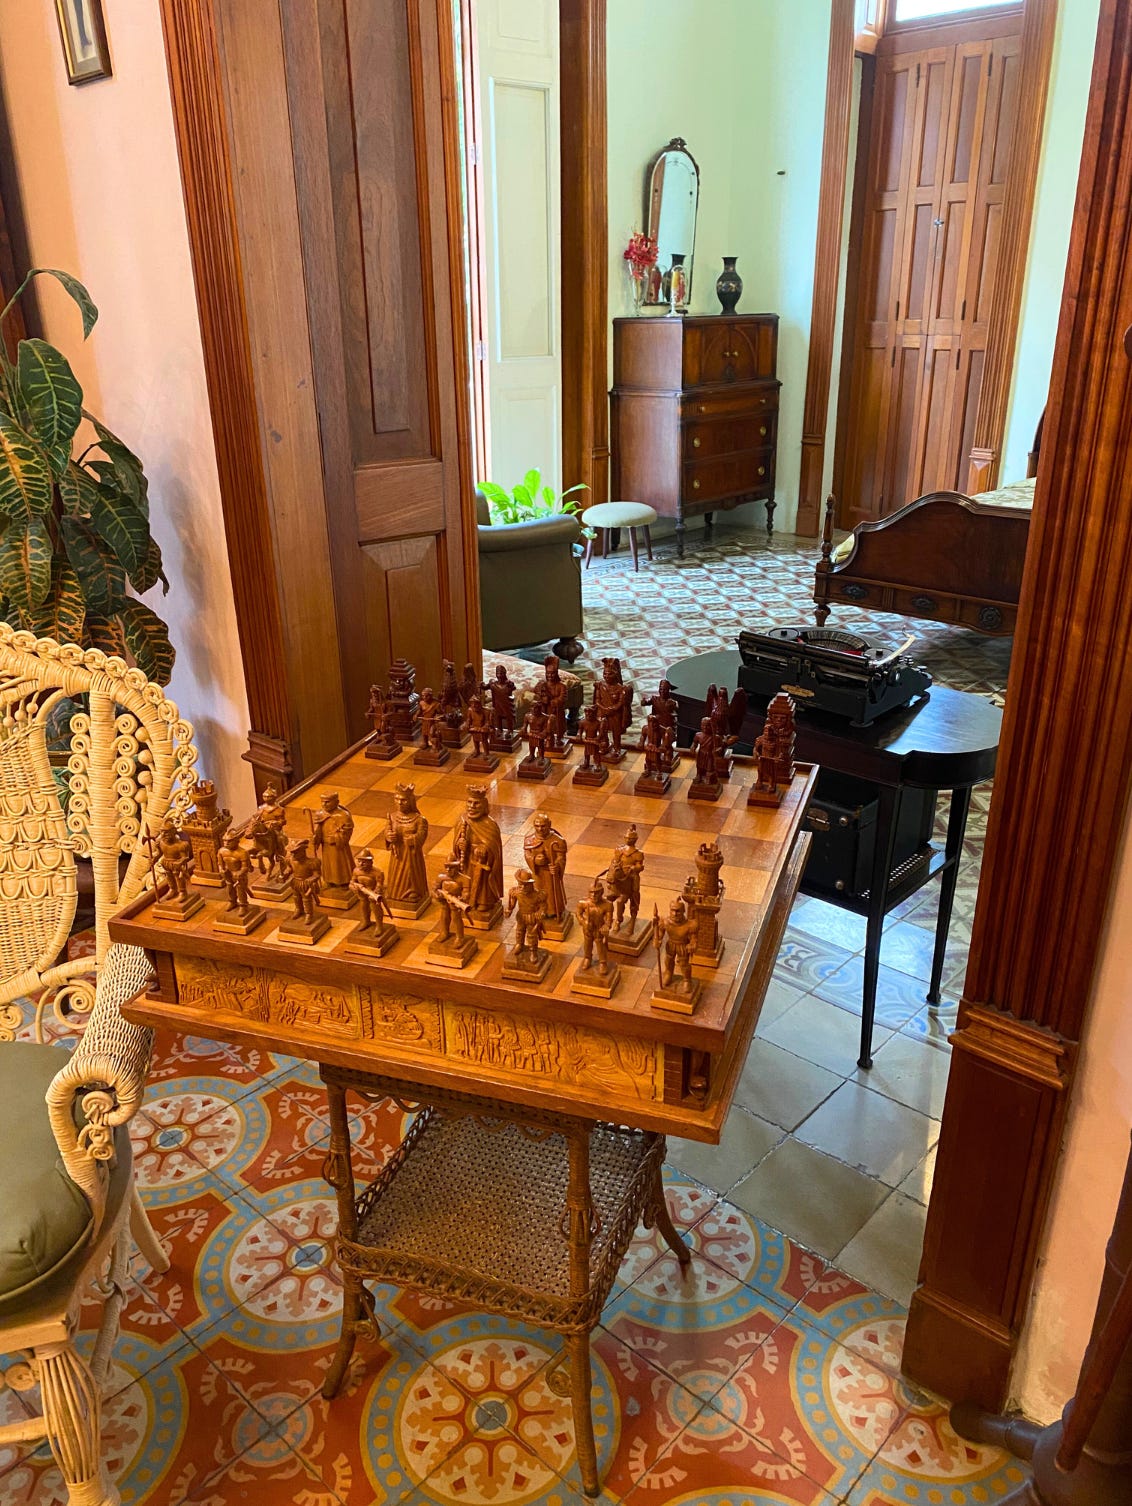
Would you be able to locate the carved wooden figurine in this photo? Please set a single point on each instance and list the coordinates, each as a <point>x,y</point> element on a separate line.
<point>470,685</point>
<point>719,709</point>
<point>623,880</point>
<point>205,827</point>
<point>527,960</point>
<point>665,707</point>
<point>706,785</point>
<point>383,744</point>
<point>406,832</point>
<point>402,715</point>
<point>774,753</point>
<point>451,946</point>
<point>780,715</point>
<point>268,832</point>
<point>704,896</point>
<point>432,751</point>
<point>241,917</point>
<point>309,922</point>
<point>536,730</point>
<point>611,697</point>
<point>654,779</point>
<point>544,853</point>
<point>171,863</point>
<point>557,743</point>
<point>451,709</point>
<point>374,935</point>
<point>595,917</point>
<point>481,726</point>
<point>674,939</point>
<point>505,738</point>
<point>477,849</point>
<point>594,737</point>
<point>332,827</point>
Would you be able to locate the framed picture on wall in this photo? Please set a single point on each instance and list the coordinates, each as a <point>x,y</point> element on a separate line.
<point>84,40</point>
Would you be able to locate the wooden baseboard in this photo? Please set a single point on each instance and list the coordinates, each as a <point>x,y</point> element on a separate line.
<point>955,1352</point>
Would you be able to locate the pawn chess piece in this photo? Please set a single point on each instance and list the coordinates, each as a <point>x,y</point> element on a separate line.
<point>382,744</point>
<point>268,833</point>
<point>674,938</point>
<point>241,917</point>
<point>544,853</point>
<point>452,946</point>
<point>432,752</point>
<point>595,917</point>
<point>536,730</point>
<point>204,827</point>
<point>654,779</point>
<point>309,922</point>
<point>477,848</point>
<point>481,727</point>
<point>333,826</point>
<point>527,962</point>
<point>706,785</point>
<point>505,738</point>
<point>774,754</point>
<point>374,935</point>
<point>594,738</point>
<point>557,743</point>
<point>406,832</point>
<point>623,880</point>
<point>402,703</point>
<point>171,865</point>
<point>703,895</point>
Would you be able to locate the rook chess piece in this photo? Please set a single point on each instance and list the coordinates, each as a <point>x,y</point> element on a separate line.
<point>240,917</point>
<point>544,853</point>
<point>171,864</point>
<point>402,716</point>
<point>595,916</point>
<point>505,738</point>
<point>406,832</point>
<point>308,922</point>
<point>703,895</point>
<point>382,744</point>
<point>332,828</point>
<point>677,991</point>
<point>481,726</point>
<point>623,880</point>
<point>477,849</point>
<point>595,744</point>
<point>706,785</point>
<point>204,827</point>
<point>374,935</point>
<point>527,961</point>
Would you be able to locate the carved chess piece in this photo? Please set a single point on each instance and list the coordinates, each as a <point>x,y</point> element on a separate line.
<point>774,754</point>
<point>544,853</point>
<point>703,895</point>
<point>171,863</point>
<point>241,917</point>
<point>432,752</point>
<point>557,743</point>
<point>665,707</point>
<point>204,827</point>
<point>332,828</point>
<point>595,743</point>
<point>527,961</point>
<point>674,939</point>
<point>654,778</point>
<point>470,685</point>
<point>402,715</point>
<point>595,917</point>
<point>611,697</point>
<point>780,715</point>
<point>268,833</point>
<point>706,785</point>
<point>477,849</point>
<point>452,709</point>
<point>536,730</point>
<point>374,935</point>
<point>406,832</point>
<point>451,946</point>
<point>505,738</point>
<point>481,727</point>
<point>623,881</point>
<point>719,709</point>
<point>382,744</point>
<point>309,922</point>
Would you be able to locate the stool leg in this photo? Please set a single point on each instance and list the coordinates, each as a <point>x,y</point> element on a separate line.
<point>633,548</point>
<point>648,542</point>
<point>589,552</point>
<point>578,1345</point>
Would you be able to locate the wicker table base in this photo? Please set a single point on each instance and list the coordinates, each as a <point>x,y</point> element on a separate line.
<point>527,1214</point>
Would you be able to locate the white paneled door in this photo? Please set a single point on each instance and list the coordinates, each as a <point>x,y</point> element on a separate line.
<point>518,66</point>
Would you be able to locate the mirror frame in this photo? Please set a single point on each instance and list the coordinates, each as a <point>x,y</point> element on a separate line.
<point>677,144</point>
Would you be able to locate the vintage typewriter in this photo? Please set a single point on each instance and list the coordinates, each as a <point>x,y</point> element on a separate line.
<point>829,670</point>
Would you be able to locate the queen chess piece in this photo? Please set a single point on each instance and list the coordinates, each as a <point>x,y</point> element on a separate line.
<point>452,946</point>
<point>374,935</point>
<point>241,917</point>
<point>707,784</point>
<point>171,866</point>
<point>382,744</point>
<point>505,737</point>
<point>677,992</point>
<point>526,962</point>
<point>595,917</point>
<point>406,832</point>
<point>309,921</point>
<point>544,854</point>
<point>594,738</point>
<point>481,728</point>
<point>477,849</point>
<point>623,882</point>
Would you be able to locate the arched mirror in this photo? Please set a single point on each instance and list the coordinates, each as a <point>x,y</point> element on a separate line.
<point>673,193</point>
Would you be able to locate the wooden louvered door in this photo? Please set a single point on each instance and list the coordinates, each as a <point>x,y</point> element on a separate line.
<point>936,139</point>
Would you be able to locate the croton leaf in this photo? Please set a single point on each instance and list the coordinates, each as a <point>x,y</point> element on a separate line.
<point>101,577</point>
<point>106,633</point>
<point>147,639</point>
<point>128,470</point>
<point>63,613</point>
<point>51,398</point>
<point>25,563</point>
<point>25,476</point>
<point>115,517</point>
<point>76,290</point>
<point>150,572</point>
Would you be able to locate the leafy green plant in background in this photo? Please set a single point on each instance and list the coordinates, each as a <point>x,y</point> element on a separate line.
<point>529,499</point>
<point>74,529</point>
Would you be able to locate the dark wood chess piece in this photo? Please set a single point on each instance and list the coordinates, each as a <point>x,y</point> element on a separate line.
<point>241,917</point>
<point>432,752</point>
<point>655,778</point>
<point>382,744</point>
<point>470,685</point>
<point>309,922</point>
<point>451,709</point>
<point>706,785</point>
<point>557,743</point>
<point>774,753</point>
<point>403,717</point>
<point>536,730</point>
<point>665,707</point>
<point>595,918</point>
<point>719,709</point>
<point>611,697</point>
<point>623,881</point>
<point>374,935</point>
<point>505,737</point>
<point>594,737</point>
<point>674,938</point>
<point>526,962</point>
<point>481,727</point>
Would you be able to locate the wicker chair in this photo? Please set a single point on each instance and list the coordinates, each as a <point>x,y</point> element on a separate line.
<point>68,1204</point>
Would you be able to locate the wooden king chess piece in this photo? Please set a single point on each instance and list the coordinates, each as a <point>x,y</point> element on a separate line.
<point>706,785</point>
<point>382,744</point>
<point>674,938</point>
<point>452,946</point>
<point>373,936</point>
<point>402,702</point>
<point>505,737</point>
<point>623,882</point>
<point>432,752</point>
<point>536,730</point>
<point>527,962</point>
<point>477,849</point>
<point>268,833</point>
<point>171,865</point>
<point>241,917</point>
<point>309,922</point>
<point>611,697</point>
<point>558,745</point>
<point>544,853</point>
<point>481,727</point>
<point>332,827</point>
<point>655,778</point>
<point>406,832</point>
<point>703,895</point>
<point>594,738</point>
<point>774,754</point>
<point>595,917</point>
<point>452,709</point>
<point>204,826</point>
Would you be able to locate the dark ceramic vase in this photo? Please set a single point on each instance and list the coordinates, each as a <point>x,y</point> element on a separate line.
<point>729,285</point>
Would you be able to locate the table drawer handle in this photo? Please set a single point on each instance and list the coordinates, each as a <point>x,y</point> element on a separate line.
<point>762,470</point>
<point>762,429</point>
<point>696,443</point>
<point>695,486</point>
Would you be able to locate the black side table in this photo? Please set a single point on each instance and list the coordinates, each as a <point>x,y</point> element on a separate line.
<point>946,740</point>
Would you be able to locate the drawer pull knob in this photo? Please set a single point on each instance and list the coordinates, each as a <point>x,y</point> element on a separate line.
<point>762,429</point>
<point>695,486</point>
<point>762,470</point>
<point>695,444</point>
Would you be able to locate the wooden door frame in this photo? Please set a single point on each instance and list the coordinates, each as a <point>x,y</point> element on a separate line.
<point>1038,29</point>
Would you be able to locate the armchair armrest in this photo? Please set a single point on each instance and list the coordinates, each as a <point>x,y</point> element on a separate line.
<point>561,528</point>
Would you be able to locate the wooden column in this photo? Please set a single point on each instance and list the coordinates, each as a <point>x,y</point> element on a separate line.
<point>827,263</point>
<point>1060,805</point>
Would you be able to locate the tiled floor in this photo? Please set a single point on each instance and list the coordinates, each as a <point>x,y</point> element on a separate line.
<point>769,1375</point>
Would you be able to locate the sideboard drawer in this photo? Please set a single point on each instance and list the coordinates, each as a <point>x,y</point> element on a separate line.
<point>724,403</point>
<point>706,480</point>
<point>707,437</point>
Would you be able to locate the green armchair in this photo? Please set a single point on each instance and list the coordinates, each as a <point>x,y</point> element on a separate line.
<point>530,582</point>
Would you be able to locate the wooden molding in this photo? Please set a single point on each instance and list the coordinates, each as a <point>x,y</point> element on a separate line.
<point>827,263</point>
<point>1060,804</point>
<point>206,172</point>
<point>1039,23</point>
<point>585,248</point>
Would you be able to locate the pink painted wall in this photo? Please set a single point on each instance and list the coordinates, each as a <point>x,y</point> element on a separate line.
<point>101,190</point>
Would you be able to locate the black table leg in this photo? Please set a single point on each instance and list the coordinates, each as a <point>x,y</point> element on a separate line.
<point>956,826</point>
<point>887,799</point>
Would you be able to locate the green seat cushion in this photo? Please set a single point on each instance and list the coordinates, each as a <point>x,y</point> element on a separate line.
<point>619,515</point>
<point>44,1217</point>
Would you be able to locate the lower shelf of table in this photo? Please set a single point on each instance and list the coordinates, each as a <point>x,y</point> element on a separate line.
<point>904,882</point>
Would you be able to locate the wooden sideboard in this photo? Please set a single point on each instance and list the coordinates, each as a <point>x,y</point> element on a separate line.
<point>694,413</point>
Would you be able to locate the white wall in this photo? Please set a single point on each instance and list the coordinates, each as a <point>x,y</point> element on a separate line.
<point>101,192</point>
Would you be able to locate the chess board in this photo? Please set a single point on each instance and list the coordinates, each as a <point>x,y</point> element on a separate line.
<point>619,1058</point>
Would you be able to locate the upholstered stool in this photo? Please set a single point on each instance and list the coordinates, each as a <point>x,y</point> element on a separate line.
<point>607,516</point>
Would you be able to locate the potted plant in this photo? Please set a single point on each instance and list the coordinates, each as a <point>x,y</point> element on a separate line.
<point>74,528</point>
<point>529,499</point>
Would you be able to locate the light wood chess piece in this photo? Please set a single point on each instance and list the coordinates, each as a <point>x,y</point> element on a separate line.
<point>241,917</point>
<point>527,961</point>
<point>674,938</point>
<point>406,832</point>
<point>332,828</point>
<point>382,744</point>
<point>373,936</point>
<point>171,865</point>
<point>477,849</point>
<point>309,922</point>
<point>204,827</point>
<point>706,785</point>
<point>623,881</point>
<point>595,917</point>
<point>594,738</point>
<point>268,833</point>
<point>481,727</point>
<point>505,737</point>
<point>703,894</point>
<point>544,853</point>
<point>452,946</point>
